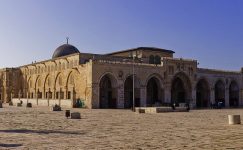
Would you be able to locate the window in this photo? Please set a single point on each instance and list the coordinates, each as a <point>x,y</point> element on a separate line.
<point>57,95</point>
<point>157,59</point>
<point>61,95</point>
<point>151,59</point>
<point>69,95</point>
<point>39,94</point>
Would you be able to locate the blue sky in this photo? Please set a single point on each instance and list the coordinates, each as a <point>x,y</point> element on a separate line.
<point>210,31</point>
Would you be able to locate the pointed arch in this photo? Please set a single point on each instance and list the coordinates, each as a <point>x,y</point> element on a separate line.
<point>36,81</point>
<point>219,91</point>
<point>202,93</point>
<point>59,86</point>
<point>71,84</point>
<point>47,87</point>
<point>181,89</point>
<point>128,91</point>
<point>108,91</point>
<point>38,88</point>
<point>154,90</point>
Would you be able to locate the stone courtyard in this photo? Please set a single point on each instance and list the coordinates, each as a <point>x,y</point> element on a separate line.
<point>40,128</point>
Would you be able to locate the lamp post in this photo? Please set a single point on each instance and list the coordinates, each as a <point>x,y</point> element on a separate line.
<point>133,79</point>
<point>133,91</point>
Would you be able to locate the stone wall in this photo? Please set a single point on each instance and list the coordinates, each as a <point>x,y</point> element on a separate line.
<point>66,103</point>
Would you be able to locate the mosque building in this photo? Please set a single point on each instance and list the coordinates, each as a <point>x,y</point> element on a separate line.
<point>145,76</point>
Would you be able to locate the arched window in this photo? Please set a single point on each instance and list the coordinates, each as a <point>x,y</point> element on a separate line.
<point>157,59</point>
<point>151,59</point>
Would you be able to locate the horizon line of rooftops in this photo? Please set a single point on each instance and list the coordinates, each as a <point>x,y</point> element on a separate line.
<point>155,60</point>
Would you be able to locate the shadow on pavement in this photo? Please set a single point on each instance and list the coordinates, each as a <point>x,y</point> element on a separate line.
<point>41,131</point>
<point>10,145</point>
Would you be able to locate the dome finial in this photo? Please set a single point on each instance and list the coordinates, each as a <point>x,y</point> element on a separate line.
<point>67,39</point>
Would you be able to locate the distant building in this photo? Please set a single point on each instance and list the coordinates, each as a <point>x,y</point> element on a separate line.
<point>106,81</point>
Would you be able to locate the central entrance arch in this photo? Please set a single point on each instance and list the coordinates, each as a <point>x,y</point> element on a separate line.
<point>108,92</point>
<point>203,94</point>
<point>181,89</point>
<point>154,91</point>
<point>219,92</point>
<point>128,92</point>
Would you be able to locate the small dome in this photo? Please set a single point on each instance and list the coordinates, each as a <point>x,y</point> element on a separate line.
<point>64,50</point>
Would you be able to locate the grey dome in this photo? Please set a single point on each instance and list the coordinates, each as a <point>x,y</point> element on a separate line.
<point>64,50</point>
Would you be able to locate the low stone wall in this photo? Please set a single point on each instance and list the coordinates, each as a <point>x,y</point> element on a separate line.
<point>66,103</point>
<point>159,109</point>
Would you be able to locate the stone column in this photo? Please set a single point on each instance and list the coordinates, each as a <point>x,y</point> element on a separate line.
<point>48,97</point>
<point>71,94</point>
<point>120,94</point>
<point>43,94</point>
<point>240,97</point>
<point>12,95</point>
<point>226,97</point>
<point>93,96</point>
<point>143,96</point>
<point>36,96</point>
<point>59,96</point>
<point>212,96</point>
<point>65,90</point>
<point>54,93</point>
<point>194,98</point>
<point>19,95</point>
<point>72,97</point>
<point>167,91</point>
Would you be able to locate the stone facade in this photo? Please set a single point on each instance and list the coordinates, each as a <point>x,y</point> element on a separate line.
<point>106,81</point>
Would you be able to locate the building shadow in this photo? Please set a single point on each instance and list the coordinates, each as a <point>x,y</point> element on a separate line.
<point>25,131</point>
<point>10,145</point>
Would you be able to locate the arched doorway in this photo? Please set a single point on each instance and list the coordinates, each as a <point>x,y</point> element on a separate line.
<point>233,94</point>
<point>219,92</point>
<point>181,89</point>
<point>108,93</point>
<point>203,94</point>
<point>128,92</point>
<point>154,91</point>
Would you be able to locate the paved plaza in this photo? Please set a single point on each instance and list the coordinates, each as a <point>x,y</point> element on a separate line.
<point>40,128</point>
